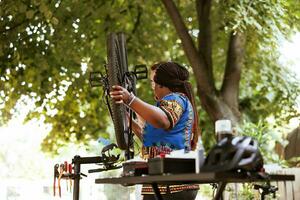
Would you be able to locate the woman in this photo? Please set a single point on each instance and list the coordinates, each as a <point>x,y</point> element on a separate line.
<point>170,125</point>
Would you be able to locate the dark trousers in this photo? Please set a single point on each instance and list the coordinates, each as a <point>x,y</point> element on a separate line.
<point>184,195</point>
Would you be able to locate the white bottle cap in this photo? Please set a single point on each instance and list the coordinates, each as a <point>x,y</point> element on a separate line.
<point>223,126</point>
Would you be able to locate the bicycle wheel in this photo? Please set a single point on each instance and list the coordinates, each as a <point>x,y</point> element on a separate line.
<point>117,68</point>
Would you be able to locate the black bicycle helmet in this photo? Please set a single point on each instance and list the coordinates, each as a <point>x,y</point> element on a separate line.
<point>232,154</point>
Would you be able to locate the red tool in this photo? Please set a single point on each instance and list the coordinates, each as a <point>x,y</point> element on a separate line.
<point>56,174</point>
<point>65,172</point>
<point>61,172</point>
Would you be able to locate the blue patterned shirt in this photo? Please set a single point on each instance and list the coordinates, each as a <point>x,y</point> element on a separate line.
<point>180,114</point>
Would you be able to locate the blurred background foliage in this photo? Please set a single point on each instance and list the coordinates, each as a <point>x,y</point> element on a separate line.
<point>48,48</point>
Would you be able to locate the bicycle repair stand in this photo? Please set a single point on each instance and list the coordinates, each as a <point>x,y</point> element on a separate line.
<point>78,161</point>
<point>266,189</point>
<point>108,162</point>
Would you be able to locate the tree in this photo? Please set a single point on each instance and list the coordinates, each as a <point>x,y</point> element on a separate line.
<point>224,103</point>
<point>47,49</point>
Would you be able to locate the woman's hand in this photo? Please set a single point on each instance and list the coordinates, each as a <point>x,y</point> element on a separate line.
<point>120,94</point>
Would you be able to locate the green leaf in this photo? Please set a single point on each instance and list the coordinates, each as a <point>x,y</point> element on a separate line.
<point>22,8</point>
<point>43,8</point>
<point>30,14</point>
<point>54,21</point>
<point>48,15</point>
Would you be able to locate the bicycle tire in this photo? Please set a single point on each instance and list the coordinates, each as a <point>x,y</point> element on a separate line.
<point>117,68</point>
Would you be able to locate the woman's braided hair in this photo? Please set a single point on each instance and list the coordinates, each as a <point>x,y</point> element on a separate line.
<point>175,77</point>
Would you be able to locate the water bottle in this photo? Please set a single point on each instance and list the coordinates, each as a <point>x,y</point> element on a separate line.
<point>223,129</point>
<point>199,160</point>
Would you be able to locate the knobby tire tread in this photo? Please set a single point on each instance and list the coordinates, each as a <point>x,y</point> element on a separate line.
<point>117,67</point>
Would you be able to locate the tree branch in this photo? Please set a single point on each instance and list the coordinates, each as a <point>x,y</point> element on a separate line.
<point>136,23</point>
<point>232,75</point>
<point>197,62</point>
<point>204,36</point>
<point>138,19</point>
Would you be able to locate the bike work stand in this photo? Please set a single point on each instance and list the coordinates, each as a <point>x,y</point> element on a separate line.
<point>107,161</point>
<point>78,161</point>
<point>266,189</point>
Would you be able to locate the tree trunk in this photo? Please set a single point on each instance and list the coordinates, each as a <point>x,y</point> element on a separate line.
<point>218,104</point>
<point>197,62</point>
<point>217,108</point>
<point>232,75</point>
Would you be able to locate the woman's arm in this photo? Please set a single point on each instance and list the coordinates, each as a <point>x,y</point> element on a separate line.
<point>152,114</point>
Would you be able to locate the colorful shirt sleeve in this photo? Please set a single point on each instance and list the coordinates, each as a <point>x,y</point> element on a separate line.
<point>173,108</point>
